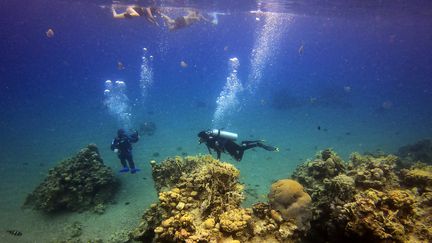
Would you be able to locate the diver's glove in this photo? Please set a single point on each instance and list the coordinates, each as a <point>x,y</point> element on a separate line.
<point>116,151</point>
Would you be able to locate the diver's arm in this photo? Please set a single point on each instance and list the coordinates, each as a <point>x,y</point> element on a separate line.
<point>134,137</point>
<point>116,15</point>
<point>130,12</point>
<point>114,144</point>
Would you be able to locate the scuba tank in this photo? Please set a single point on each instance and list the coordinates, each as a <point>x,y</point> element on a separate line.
<point>224,134</point>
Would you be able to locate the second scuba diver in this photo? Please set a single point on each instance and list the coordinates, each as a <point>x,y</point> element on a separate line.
<point>122,145</point>
<point>223,142</point>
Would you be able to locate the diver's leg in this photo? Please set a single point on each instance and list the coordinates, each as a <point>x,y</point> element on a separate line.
<point>130,161</point>
<point>122,158</point>
<point>117,15</point>
<point>235,150</point>
<point>258,143</point>
<point>239,155</point>
<point>132,164</point>
<point>268,147</point>
<point>245,145</point>
<point>252,141</point>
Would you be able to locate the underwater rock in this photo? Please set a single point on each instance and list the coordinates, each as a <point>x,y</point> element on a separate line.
<point>74,230</point>
<point>419,176</point>
<point>147,128</point>
<point>76,184</point>
<point>418,152</point>
<point>287,197</point>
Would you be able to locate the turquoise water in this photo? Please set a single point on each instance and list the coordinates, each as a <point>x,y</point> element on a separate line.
<point>353,78</point>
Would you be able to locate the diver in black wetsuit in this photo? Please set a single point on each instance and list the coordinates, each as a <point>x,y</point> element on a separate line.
<point>181,22</point>
<point>222,145</point>
<point>122,145</point>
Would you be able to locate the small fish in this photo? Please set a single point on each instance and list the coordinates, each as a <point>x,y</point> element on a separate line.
<point>120,65</point>
<point>49,33</point>
<point>301,49</point>
<point>319,127</point>
<point>14,232</point>
<point>183,64</point>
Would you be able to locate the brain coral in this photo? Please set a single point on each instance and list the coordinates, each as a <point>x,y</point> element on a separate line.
<point>287,196</point>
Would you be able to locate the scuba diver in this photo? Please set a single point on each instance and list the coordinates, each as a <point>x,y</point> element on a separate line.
<point>222,141</point>
<point>122,145</point>
<point>181,22</point>
<point>137,11</point>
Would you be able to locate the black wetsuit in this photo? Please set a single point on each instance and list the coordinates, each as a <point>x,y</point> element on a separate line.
<point>123,143</point>
<point>222,145</point>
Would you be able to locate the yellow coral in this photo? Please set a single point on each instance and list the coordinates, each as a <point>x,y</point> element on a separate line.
<point>234,220</point>
<point>209,223</point>
<point>385,215</point>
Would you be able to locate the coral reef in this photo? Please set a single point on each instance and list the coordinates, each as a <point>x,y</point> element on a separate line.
<point>79,183</point>
<point>287,197</point>
<point>168,173</point>
<point>378,215</point>
<point>234,220</point>
<point>374,172</point>
<point>323,178</point>
<point>327,164</point>
<point>201,203</point>
<point>368,198</point>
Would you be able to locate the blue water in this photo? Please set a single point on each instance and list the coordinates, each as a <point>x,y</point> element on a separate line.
<point>361,83</point>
